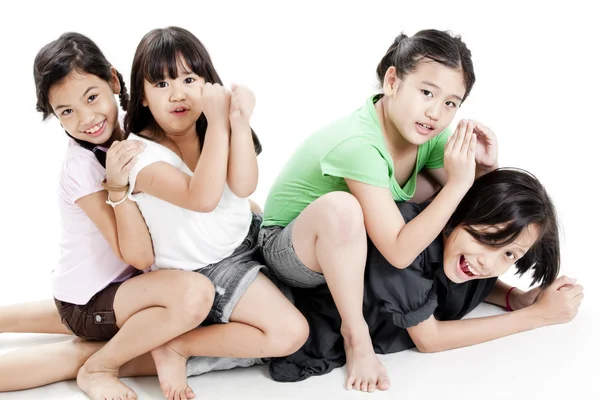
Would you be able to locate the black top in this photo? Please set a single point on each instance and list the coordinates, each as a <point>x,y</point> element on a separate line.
<point>394,299</point>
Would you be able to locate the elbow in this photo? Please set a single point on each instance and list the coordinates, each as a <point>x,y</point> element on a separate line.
<point>141,262</point>
<point>205,204</point>
<point>426,347</point>
<point>399,262</point>
<point>244,189</point>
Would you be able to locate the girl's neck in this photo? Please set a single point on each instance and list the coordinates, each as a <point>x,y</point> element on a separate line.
<point>394,140</point>
<point>182,140</point>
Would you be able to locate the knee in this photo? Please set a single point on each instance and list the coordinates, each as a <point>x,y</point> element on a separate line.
<point>197,296</point>
<point>290,335</point>
<point>342,215</point>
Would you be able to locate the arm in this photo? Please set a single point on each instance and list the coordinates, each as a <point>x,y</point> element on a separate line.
<point>486,154</point>
<point>398,242</point>
<point>242,171</point>
<point>555,305</point>
<point>401,243</point>
<point>202,191</point>
<point>129,237</point>
<point>123,227</point>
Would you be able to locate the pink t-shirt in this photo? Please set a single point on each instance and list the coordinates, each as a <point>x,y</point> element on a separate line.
<point>87,262</point>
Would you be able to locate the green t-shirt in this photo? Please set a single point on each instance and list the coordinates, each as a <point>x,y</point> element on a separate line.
<point>352,148</point>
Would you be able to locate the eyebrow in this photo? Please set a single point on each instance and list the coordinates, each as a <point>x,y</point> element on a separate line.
<point>83,95</point>
<point>438,88</point>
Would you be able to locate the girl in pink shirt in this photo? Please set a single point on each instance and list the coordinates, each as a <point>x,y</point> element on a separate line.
<point>99,291</point>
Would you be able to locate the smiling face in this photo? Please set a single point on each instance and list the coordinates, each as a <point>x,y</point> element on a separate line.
<point>423,103</point>
<point>86,106</point>
<point>466,258</point>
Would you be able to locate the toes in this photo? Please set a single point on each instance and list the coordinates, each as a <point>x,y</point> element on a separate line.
<point>131,395</point>
<point>190,393</point>
<point>383,383</point>
<point>357,384</point>
<point>372,387</point>
<point>364,386</point>
<point>350,383</point>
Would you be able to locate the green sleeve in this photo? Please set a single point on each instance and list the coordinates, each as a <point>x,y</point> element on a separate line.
<point>436,150</point>
<point>357,159</point>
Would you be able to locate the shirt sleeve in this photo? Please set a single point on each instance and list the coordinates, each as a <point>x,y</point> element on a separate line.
<point>407,294</point>
<point>152,153</point>
<point>81,175</point>
<point>357,159</point>
<point>436,152</point>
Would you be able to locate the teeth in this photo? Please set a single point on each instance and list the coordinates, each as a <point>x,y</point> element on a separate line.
<point>426,126</point>
<point>471,269</point>
<point>95,128</point>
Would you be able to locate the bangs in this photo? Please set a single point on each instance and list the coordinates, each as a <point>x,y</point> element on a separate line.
<point>499,237</point>
<point>169,57</point>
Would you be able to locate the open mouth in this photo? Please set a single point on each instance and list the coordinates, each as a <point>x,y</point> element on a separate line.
<point>97,129</point>
<point>466,268</point>
<point>180,111</point>
<point>424,129</point>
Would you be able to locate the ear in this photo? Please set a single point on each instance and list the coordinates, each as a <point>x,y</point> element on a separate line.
<point>391,81</point>
<point>114,81</point>
<point>144,102</point>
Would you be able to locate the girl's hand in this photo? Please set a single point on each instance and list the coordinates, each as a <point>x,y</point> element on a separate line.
<point>486,153</point>
<point>559,302</point>
<point>215,104</point>
<point>242,105</point>
<point>459,155</point>
<point>120,158</point>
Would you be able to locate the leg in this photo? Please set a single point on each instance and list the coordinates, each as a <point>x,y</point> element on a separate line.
<point>35,317</point>
<point>329,237</point>
<point>264,324</point>
<point>37,366</point>
<point>148,315</point>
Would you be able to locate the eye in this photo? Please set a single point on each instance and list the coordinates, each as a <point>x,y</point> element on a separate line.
<point>511,256</point>
<point>189,80</point>
<point>161,85</point>
<point>451,104</point>
<point>92,98</point>
<point>426,92</point>
<point>66,112</point>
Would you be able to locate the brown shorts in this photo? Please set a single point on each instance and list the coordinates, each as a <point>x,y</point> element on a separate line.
<point>95,320</point>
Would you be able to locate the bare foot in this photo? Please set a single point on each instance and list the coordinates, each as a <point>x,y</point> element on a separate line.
<point>365,371</point>
<point>171,370</point>
<point>101,384</point>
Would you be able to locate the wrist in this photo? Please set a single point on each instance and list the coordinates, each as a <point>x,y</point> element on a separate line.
<point>112,186</point>
<point>533,316</point>
<point>116,196</point>
<point>457,186</point>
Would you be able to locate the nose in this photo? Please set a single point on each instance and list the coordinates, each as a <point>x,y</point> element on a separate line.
<point>86,117</point>
<point>486,263</point>
<point>177,92</point>
<point>434,110</point>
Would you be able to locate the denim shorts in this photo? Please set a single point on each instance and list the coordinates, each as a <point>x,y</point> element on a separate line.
<point>275,243</point>
<point>233,275</point>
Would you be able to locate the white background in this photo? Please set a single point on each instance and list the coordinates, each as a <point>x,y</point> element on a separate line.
<point>309,63</point>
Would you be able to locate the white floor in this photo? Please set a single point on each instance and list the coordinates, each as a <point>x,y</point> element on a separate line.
<point>555,362</point>
<point>536,87</point>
